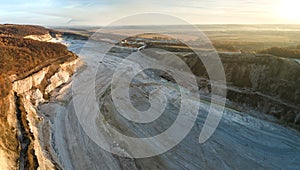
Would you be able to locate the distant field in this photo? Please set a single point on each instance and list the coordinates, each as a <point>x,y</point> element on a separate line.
<point>248,38</point>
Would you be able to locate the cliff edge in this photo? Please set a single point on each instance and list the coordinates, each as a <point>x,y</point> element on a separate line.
<point>31,67</point>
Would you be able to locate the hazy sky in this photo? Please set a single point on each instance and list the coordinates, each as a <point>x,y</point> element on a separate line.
<point>102,12</point>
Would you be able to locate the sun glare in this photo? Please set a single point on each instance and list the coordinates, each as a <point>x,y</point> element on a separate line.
<point>290,9</point>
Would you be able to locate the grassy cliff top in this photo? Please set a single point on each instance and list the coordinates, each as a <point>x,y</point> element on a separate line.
<point>23,30</point>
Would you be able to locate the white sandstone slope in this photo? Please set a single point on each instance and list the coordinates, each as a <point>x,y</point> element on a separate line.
<point>46,37</point>
<point>62,75</point>
<point>30,93</point>
<point>24,85</point>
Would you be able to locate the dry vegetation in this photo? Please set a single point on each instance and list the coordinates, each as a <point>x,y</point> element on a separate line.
<point>22,57</point>
<point>22,30</point>
<point>283,52</point>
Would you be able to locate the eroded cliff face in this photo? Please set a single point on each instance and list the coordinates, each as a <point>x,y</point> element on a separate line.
<point>26,145</point>
<point>8,143</point>
<point>49,37</point>
<point>33,63</point>
<point>269,84</point>
<point>45,37</point>
<point>263,83</point>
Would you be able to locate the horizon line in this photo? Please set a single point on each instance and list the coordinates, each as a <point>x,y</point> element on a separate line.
<point>145,25</point>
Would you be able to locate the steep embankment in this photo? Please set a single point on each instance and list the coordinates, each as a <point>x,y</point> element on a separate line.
<point>30,70</point>
<point>268,84</point>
